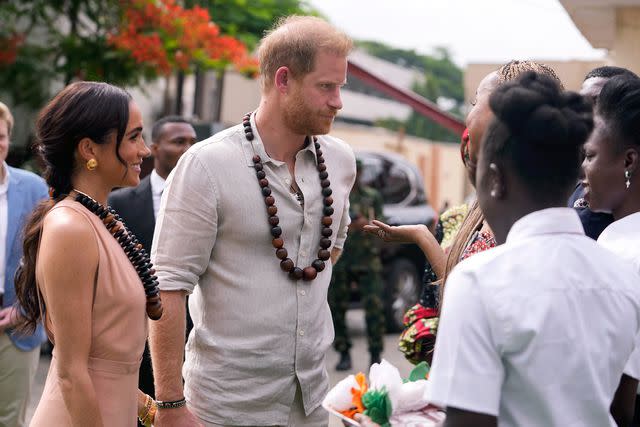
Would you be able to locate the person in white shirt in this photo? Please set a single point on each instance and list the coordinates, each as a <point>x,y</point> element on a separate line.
<point>612,171</point>
<point>527,328</point>
<point>171,137</point>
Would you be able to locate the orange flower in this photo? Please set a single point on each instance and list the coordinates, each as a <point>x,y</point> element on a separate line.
<point>356,397</point>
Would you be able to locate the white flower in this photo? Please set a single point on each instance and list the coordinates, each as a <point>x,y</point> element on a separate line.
<point>412,396</point>
<point>386,375</point>
<point>339,397</point>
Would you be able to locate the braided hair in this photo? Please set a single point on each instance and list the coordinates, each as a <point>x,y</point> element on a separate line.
<point>539,129</point>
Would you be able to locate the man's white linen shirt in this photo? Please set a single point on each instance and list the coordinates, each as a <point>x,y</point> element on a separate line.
<point>537,331</point>
<point>256,332</point>
<point>622,237</point>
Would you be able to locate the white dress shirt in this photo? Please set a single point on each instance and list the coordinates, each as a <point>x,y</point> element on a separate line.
<point>256,332</point>
<point>4,218</point>
<point>157,187</point>
<point>622,237</point>
<point>537,331</point>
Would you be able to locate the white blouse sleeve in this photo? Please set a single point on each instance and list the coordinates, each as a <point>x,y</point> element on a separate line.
<point>467,371</point>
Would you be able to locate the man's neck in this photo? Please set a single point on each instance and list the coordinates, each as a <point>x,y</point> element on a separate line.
<point>161,173</point>
<point>3,172</point>
<point>279,142</point>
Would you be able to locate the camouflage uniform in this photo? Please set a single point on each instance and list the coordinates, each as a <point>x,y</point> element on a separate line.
<point>360,262</point>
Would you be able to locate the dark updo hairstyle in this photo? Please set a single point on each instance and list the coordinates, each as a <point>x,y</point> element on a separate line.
<point>539,129</point>
<point>82,110</point>
<point>619,107</point>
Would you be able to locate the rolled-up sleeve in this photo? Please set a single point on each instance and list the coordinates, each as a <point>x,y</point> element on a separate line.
<point>186,226</point>
<point>345,220</point>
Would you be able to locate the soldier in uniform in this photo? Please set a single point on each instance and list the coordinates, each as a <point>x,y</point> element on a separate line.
<point>360,262</point>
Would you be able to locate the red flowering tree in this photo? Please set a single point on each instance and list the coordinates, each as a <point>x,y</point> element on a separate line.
<point>120,41</point>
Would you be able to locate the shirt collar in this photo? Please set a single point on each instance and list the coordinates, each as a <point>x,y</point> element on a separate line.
<point>256,146</point>
<point>157,182</point>
<point>623,226</point>
<point>4,185</point>
<point>546,221</point>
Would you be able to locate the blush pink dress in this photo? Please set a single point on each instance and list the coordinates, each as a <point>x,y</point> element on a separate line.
<point>119,331</point>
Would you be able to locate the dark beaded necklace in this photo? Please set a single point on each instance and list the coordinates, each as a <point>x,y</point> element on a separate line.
<point>295,273</point>
<point>132,248</point>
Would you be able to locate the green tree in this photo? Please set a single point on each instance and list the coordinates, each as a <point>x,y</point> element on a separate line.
<point>442,79</point>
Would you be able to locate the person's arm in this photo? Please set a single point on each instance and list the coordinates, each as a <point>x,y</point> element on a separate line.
<point>166,342</point>
<point>188,213</point>
<point>69,259</point>
<point>418,234</point>
<point>624,401</point>
<point>467,372</point>
<point>461,418</point>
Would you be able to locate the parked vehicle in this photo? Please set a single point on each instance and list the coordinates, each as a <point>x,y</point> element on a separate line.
<point>405,202</point>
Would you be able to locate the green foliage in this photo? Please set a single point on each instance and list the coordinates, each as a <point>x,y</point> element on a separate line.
<point>248,20</point>
<point>62,40</point>
<point>443,79</point>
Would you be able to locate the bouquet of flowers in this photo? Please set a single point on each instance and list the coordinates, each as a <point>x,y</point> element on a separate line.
<point>385,398</point>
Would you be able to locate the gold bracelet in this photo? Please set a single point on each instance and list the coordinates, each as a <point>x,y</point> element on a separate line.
<point>148,403</point>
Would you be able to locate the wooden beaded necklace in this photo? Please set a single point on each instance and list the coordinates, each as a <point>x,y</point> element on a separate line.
<point>132,248</point>
<point>286,264</point>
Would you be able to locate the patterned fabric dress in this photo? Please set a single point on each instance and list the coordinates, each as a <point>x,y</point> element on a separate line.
<point>418,338</point>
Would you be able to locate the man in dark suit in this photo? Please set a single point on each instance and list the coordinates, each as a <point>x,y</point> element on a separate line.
<point>20,192</point>
<point>171,136</point>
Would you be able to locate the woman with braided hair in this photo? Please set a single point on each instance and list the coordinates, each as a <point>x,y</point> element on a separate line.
<point>524,325</point>
<point>468,232</point>
<point>83,274</point>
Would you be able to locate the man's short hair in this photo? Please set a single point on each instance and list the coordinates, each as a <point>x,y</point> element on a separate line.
<point>156,130</point>
<point>294,42</point>
<point>5,114</point>
<point>609,71</point>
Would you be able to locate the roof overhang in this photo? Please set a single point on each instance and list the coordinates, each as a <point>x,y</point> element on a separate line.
<point>596,19</point>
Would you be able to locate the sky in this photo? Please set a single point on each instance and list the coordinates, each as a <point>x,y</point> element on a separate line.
<point>474,31</point>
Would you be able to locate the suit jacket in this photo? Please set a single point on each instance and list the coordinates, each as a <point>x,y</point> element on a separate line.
<point>25,191</point>
<point>135,206</point>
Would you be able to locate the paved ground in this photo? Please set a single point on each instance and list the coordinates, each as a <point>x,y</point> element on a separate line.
<point>359,355</point>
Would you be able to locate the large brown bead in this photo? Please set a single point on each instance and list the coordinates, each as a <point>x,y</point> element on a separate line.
<point>256,159</point>
<point>326,232</point>
<point>327,221</point>
<point>322,167</point>
<point>107,219</point>
<point>318,152</point>
<point>263,182</point>
<point>325,183</point>
<point>286,264</point>
<point>325,243</point>
<point>258,166</point>
<point>328,201</point>
<point>324,254</point>
<point>296,273</point>
<point>269,200</point>
<point>318,265</point>
<point>281,253</point>
<point>272,210</point>
<point>274,220</point>
<point>277,242</point>
<point>309,273</point>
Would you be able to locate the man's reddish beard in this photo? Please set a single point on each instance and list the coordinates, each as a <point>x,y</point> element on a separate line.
<point>304,120</point>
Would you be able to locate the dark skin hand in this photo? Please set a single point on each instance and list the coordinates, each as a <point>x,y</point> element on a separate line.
<point>624,401</point>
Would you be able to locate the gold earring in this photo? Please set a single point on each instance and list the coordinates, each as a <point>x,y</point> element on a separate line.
<point>92,164</point>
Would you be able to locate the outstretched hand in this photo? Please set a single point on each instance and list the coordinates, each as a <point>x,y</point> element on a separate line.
<point>399,234</point>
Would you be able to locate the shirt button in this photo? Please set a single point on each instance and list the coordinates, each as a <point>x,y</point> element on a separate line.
<point>301,333</point>
<point>303,292</point>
